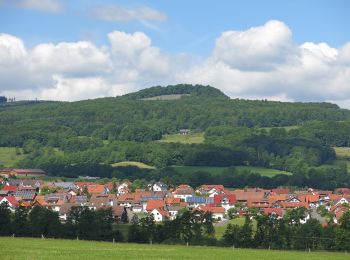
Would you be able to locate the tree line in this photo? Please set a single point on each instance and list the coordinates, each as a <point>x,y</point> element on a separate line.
<point>189,227</point>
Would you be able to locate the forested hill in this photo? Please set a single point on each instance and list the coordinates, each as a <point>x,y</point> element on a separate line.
<point>131,118</point>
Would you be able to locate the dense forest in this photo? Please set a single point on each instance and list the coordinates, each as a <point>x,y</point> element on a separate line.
<point>93,134</point>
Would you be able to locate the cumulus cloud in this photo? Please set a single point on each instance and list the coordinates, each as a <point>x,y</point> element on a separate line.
<point>53,6</point>
<point>261,62</point>
<point>122,14</point>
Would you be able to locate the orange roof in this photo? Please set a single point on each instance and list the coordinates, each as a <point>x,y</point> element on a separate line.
<point>212,209</point>
<point>154,204</point>
<point>285,204</point>
<point>95,188</point>
<point>308,198</point>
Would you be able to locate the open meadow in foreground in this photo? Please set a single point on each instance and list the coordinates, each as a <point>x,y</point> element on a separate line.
<point>29,248</point>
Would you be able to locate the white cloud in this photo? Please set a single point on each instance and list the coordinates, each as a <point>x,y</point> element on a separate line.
<point>122,14</point>
<point>261,62</point>
<point>53,6</point>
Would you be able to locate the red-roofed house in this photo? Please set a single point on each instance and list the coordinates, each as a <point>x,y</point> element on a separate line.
<point>276,212</point>
<point>154,204</point>
<point>225,201</point>
<point>218,213</point>
<point>160,214</point>
<point>12,202</point>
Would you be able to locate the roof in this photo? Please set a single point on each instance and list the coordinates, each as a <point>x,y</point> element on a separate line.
<point>217,210</point>
<point>65,185</point>
<point>153,204</point>
<point>270,211</point>
<point>162,211</point>
<point>65,208</point>
<point>24,171</point>
<point>12,200</point>
<point>96,188</point>
<point>25,195</point>
<point>10,187</point>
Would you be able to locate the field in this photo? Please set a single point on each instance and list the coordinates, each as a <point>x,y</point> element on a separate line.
<point>29,248</point>
<point>218,170</point>
<point>195,138</point>
<point>220,229</point>
<point>131,163</point>
<point>287,128</point>
<point>8,156</point>
<point>342,152</point>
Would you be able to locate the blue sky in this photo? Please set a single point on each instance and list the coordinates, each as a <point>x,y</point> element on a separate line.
<point>181,34</point>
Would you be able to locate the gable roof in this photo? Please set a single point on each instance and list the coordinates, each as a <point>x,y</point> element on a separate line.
<point>154,204</point>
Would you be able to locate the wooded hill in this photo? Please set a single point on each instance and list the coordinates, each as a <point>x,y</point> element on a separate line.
<point>57,136</point>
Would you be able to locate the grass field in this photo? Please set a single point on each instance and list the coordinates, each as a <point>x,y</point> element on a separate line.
<point>29,248</point>
<point>195,138</point>
<point>342,152</point>
<point>131,163</point>
<point>8,156</point>
<point>220,230</point>
<point>217,170</point>
<point>288,128</point>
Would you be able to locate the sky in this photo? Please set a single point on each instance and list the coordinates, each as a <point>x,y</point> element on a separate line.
<point>292,50</point>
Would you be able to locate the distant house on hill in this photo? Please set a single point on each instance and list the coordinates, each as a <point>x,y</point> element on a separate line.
<point>184,131</point>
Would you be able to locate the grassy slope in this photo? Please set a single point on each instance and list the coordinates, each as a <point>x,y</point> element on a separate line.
<point>217,170</point>
<point>131,163</point>
<point>27,248</point>
<point>194,138</point>
<point>8,157</point>
<point>220,230</point>
<point>342,152</point>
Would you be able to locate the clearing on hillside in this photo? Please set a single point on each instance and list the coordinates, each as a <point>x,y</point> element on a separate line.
<point>31,248</point>
<point>342,152</point>
<point>218,170</point>
<point>9,156</point>
<point>132,163</point>
<point>195,138</point>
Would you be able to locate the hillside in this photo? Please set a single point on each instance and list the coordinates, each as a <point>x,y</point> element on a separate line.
<point>87,137</point>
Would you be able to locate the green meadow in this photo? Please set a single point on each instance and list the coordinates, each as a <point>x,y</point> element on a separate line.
<point>218,170</point>
<point>34,249</point>
<point>9,157</point>
<point>193,138</point>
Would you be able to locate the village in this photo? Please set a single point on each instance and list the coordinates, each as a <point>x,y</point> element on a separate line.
<point>164,202</point>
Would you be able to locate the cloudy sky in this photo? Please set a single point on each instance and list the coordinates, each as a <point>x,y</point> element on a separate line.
<point>71,50</point>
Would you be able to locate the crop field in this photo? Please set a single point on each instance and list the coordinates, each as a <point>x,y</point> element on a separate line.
<point>218,170</point>
<point>195,138</point>
<point>8,156</point>
<point>34,249</point>
<point>221,226</point>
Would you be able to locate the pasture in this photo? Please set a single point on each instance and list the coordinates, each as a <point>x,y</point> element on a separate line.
<point>193,138</point>
<point>33,249</point>
<point>218,170</point>
<point>9,157</point>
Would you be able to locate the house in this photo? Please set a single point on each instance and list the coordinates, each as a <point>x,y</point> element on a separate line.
<point>64,210</point>
<point>274,212</point>
<point>102,200</point>
<point>174,210</point>
<point>154,204</point>
<point>159,214</point>
<point>65,185</point>
<point>158,186</point>
<point>13,203</point>
<point>196,201</point>
<point>211,190</point>
<point>184,131</point>
<point>25,195</point>
<point>183,191</point>
<point>225,201</point>
<point>117,212</point>
<point>123,188</point>
<point>10,188</point>
<point>97,189</point>
<point>218,213</point>
<point>52,201</point>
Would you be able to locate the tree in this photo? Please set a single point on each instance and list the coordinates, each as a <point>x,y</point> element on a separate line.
<point>5,219</point>
<point>124,218</point>
<point>20,223</point>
